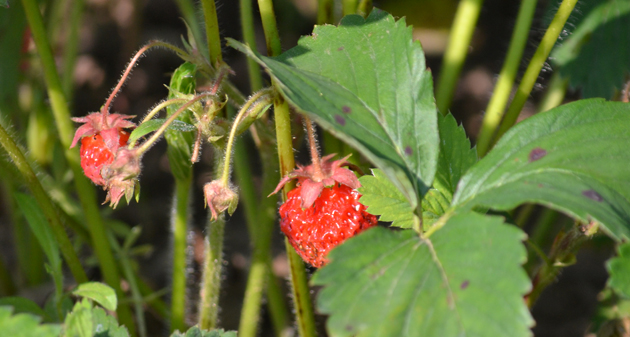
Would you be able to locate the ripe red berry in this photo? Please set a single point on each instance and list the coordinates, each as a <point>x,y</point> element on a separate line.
<point>335,216</point>
<point>95,154</point>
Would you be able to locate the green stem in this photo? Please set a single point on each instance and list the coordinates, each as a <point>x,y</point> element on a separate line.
<point>268,17</point>
<point>459,41</point>
<point>187,7</point>
<point>523,215</point>
<point>84,188</point>
<point>44,202</point>
<point>152,299</point>
<point>209,307</point>
<point>502,91</point>
<point>228,149</point>
<point>325,11</point>
<point>130,276</point>
<point>144,147</point>
<point>277,305</point>
<point>349,7</point>
<point>72,47</point>
<point>249,36</point>
<point>299,280</point>
<point>365,7</point>
<point>212,31</point>
<point>555,93</point>
<point>180,243</point>
<point>535,65</point>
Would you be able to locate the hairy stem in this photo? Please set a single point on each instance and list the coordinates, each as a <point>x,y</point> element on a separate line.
<point>459,41</point>
<point>209,308</point>
<point>268,16</point>
<point>249,36</point>
<point>180,243</point>
<point>312,143</point>
<point>212,31</point>
<point>502,90</point>
<point>535,65</point>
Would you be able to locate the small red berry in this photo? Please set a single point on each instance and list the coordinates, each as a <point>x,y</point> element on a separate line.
<point>323,210</point>
<point>95,154</point>
<point>335,216</point>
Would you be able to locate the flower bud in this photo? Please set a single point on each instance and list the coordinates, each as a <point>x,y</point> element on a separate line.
<point>220,198</point>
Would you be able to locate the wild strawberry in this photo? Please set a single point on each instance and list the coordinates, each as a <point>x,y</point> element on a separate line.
<point>323,210</point>
<point>101,135</point>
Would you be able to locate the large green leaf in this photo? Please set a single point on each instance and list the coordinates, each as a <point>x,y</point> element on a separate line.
<point>366,82</point>
<point>619,270</point>
<point>25,325</point>
<point>196,332</point>
<point>382,198</point>
<point>386,283</point>
<point>596,56</point>
<point>573,158</point>
<point>85,320</point>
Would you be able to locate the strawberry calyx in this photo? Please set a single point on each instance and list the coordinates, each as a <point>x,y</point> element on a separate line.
<point>313,179</point>
<point>106,124</point>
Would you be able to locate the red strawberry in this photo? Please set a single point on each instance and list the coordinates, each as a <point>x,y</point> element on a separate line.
<point>323,211</point>
<point>95,154</point>
<point>101,135</point>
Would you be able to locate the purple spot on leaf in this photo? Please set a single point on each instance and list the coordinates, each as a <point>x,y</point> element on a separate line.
<point>464,284</point>
<point>536,154</point>
<point>593,195</point>
<point>340,48</point>
<point>340,120</point>
<point>408,150</point>
<point>346,109</point>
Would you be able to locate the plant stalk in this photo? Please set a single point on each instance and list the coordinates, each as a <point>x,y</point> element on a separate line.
<point>212,31</point>
<point>180,244</point>
<point>249,36</point>
<point>504,85</point>
<point>555,93</point>
<point>84,188</point>
<point>534,67</point>
<point>268,17</point>
<point>458,44</point>
<point>325,11</point>
<point>209,308</point>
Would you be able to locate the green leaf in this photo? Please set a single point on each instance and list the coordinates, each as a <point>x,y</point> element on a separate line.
<point>573,158</point>
<point>86,320</point>
<point>382,198</point>
<point>366,82</point>
<point>40,227</point>
<point>99,293</point>
<point>25,325</point>
<point>23,305</point>
<point>154,124</point>
<point>619,270</point>
<point>395,283</point>
<point>196,332</point>
<point>596,56</point>
<point>180,144</point>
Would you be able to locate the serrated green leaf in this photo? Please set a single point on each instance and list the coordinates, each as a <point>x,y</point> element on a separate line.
<point>196,332</point>
<point>383,198</point>
<point>573,158</point>
<point>86,320</point>
<point>40,227</point>
<point>154,124</point>
<point>619,271</point>
<point>25,325</point>
<point>23,305</point>
<point>366,82</point>
<point>596,56</point>
<point>395,283</point>
<point>99,293</point>
<point>180,144</point>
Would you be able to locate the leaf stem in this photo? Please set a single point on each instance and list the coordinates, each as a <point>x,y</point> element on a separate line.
<point>209,307</point>
<point>249,36</point>
<point>47,206</point>
<point>458,44</point>
<point>268,16</point>
<point>504,85</point>
<point>325,11</point>
<point>212,31</point>
<point>555,93</point>
<point>180,244</point>
<point>534,67</point>
<point>72,47</point>
<point>144,147</point>
<point>349,7</point>
<point>225,178</point>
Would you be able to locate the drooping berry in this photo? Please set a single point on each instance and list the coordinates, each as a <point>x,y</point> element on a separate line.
<point>334,216</point>
<point>95,154</point>
<point>323,210</point>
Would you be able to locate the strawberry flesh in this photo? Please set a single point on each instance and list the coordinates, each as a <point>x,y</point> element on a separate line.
<point>95,154</point>
<point>333,217</point>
